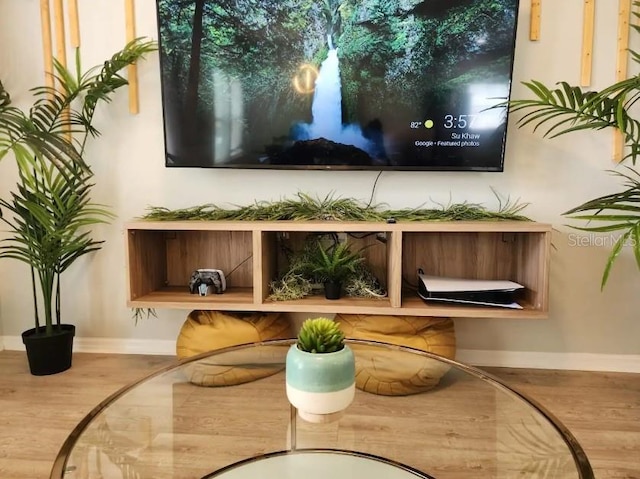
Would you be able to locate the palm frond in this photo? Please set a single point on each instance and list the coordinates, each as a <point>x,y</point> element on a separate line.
<point>51,208</point>
<point>99,87</point>
<point>569,109</point>
<point>19,134</point>
<point>614,212</point>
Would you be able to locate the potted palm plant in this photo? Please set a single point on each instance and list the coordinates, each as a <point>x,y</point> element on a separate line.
<point>320,371</point>
<point>49,213</point>
<point>332,265</point>
<point>565,109</point>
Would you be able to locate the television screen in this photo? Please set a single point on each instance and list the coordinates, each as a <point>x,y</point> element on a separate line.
<point>338,84</point>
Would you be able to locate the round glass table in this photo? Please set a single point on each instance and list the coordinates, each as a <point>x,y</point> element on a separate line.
<point>225,414</point>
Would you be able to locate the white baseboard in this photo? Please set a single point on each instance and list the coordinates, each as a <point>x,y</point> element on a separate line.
<point>627,363</point>
<point>156,347</point>
<point>622,363</point>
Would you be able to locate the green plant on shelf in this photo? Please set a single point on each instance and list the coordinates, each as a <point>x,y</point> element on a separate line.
<point>335,262</point>
<point>292,285</point>
<point>363,284</point>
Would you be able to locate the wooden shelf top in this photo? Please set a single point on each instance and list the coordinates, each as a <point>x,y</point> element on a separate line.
<point>356,226</point>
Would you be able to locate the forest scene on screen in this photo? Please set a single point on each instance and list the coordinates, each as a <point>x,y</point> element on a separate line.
<point>372,84</point>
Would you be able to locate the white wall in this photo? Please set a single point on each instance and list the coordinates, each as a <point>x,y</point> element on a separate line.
<point>128,159</point>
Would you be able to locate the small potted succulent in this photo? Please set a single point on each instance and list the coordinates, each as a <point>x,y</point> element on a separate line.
<point>320,372</point>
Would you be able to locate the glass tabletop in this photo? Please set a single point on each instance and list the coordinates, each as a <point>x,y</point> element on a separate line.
<point>225,414</point>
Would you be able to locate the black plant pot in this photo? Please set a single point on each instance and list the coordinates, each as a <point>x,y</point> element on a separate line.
<point>332,290</point>
<point>49,354</point>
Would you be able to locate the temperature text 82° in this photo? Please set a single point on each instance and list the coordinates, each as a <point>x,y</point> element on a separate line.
<point>415,124</point>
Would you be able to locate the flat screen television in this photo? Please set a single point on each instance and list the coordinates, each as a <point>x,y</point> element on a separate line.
<point>336,84</point>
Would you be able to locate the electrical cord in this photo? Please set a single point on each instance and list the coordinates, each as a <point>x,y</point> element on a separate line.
<point>373,189</point>
<point>238,265</point>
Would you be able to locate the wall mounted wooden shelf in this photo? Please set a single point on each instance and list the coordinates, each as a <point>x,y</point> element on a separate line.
<point>162,255</point>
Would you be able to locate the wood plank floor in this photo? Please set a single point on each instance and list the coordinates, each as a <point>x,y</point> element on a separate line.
<point>37,413</point>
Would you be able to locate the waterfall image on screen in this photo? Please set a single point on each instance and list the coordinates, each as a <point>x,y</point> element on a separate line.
<point>326,110</point>
<point>336,84</point>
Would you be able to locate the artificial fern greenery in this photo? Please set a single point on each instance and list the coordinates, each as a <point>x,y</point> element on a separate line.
<point>567,109</point>
<point>51,207</point>
<point>320,335</point>
<point>304,207</point>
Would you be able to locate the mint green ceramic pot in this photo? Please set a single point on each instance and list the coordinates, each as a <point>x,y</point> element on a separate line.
<point>320,385</point>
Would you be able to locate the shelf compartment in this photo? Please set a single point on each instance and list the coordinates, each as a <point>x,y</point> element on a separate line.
<point>522,257</point>
<point>276,246</point>
<point>158,259</point>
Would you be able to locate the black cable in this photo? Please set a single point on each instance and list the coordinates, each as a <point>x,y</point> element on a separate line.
<point>240,264</point>
<point>408,283</point>
<point>373,190</point>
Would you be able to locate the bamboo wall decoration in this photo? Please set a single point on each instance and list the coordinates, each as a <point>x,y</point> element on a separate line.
<point>622,63</point>
<point>61,47</point>
<point>74,24</point>
<point>47,46</point>
<point>130,21</point>
<point>57,8</point>
<point>534,28</point>
<point>587,42</point>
